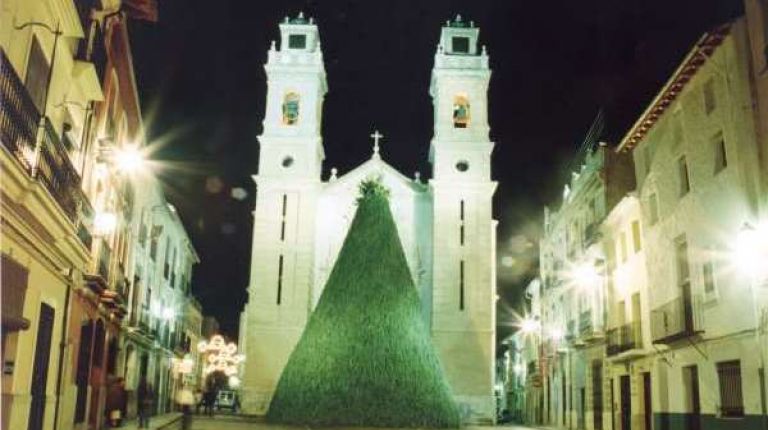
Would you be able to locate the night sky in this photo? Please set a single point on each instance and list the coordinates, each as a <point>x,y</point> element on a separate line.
<point>555,65</point>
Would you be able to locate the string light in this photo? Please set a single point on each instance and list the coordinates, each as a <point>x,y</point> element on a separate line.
<point>221,356</point>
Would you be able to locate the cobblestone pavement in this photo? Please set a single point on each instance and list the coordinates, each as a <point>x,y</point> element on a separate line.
<point>224,422</point>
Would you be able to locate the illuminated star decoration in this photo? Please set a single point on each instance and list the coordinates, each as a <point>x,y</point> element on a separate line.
<point>221,356</point>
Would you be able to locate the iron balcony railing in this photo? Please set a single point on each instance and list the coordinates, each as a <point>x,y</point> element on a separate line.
<point>33,142</point>
<point>676,319</point>
<point>624,338</point>
<point>55,170</point>
<point>105,257</point>
<point>19,118</point>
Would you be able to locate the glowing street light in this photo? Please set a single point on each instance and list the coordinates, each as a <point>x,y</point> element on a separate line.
<point>104,223</point>
<point>234,381</point>
<point>168,313</point>
<point>750,250</point>
<point>585,275</point>
<point>128,159</point>
<point>556,334</point>
<point>529,325</point>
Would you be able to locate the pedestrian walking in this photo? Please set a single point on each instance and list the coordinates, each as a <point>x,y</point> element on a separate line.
<point>145,397</point>
<point>185,399</point>
<point>116,401</point>
<point>198,400</point>
<point>210,401</point>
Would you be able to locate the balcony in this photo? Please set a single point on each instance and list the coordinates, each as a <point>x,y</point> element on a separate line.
<point>55,170</point>
<point>592,234</point>
<point>102,264</point>
<point>33,142</point>
<point>589,331</point>
<point>625,340</point>
<point>83,233</point>
<point>677,319</point>
<point>570,332</point>
<point>19,118</point>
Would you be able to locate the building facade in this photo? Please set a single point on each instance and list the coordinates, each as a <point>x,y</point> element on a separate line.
<point>573,294</point>
<point>683,326</point>
<point>71,245</point>
<point>699,184</point>
<point>47,242</point>
<point>445,226</point>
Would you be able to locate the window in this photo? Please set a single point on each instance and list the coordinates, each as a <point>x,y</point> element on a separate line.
<point>36,79</point>
<point>647,158</point>
<point>709,278</point>
<point>153,245</point>
<point>460,45</point>
<point>280,280</point>
<point>683,176</point>
<point>461,223</point>
<point>677,130</point>
<point>460,112</point>
<point>282,224</point>
<point>721,158</point>
<point>461,285</point>
<point>710,103</point>
<point>462,166</point>
<point>731,399</point>
<point>142,232</point>
<point>297,41</point>
<point>636,242</point>
<point>166,265</point>
<point>653,208</point>
<point>291,109</point>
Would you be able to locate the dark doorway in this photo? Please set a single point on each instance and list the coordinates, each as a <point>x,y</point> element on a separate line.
<point>626,402</point>
<point>40,367</point>
<point>613,407</point>
<point>83,369</point>
<point>693,401</point>
<point>143,363</point>
<point>549,399</point>
<point>564,396</point>
<point>582,406</point>
<point>597,395</point>
<point>647,401</point>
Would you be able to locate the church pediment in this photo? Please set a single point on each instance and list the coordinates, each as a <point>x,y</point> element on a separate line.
<point>375,168</point>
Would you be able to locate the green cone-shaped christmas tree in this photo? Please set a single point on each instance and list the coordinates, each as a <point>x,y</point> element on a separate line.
<point>366,357</point>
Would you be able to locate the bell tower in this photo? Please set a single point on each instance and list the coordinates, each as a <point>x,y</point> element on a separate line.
<point>288,184</point>
<point>464,232</point>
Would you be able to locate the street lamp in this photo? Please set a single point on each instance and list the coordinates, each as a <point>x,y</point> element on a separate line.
<point>585,275</point>
<point>529,325</point>
<point>128,159</point>
<point>750,251</point>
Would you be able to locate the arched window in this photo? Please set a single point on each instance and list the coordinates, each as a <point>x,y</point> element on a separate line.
<point>460,112</point>
<point>291,109</point>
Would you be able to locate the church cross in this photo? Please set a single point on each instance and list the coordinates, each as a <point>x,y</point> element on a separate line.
<point>376,137</point>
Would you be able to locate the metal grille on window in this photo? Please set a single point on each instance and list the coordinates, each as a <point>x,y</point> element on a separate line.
<point>731,398</point>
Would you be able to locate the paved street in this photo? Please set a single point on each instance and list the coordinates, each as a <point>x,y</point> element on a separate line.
<point>237,423</point>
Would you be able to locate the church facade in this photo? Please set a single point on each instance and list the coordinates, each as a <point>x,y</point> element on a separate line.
<point>445,224</point>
